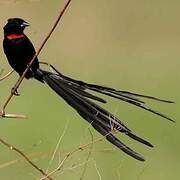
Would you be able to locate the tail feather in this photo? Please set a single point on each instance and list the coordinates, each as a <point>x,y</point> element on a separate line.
<point>125,94</point>
<point>88,95</point>
<point>144,96</point>
<point>129,97</point>
<point>109,136</point>
<point>135,137</point>
<point>75,94</point>
<point>103,121</point>
<point>138,104</point>
<point>114,124</point>
<point>79,103</point>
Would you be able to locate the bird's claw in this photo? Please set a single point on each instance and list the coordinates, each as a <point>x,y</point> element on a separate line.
<point>14,92</point>
<point>2,113</point>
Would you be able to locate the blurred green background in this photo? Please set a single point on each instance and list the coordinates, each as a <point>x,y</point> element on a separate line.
<point>129,45</point>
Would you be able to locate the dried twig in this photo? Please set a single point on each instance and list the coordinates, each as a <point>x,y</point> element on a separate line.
<point>17,84</point>
<point>7,75</point>
<point>74,167</point>
<point>80,148</point>
<point>47,154</point>
<point>57,146</point>
<point>30,156</point>
<point>97,170</point>
<point>89,154</point>
<point>25,157</point>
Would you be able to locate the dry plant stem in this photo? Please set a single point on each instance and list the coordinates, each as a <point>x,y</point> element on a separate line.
<point>89,154</point>
<point>57,146</point>
<point>16,86</point>
<point>30,156</point>
<point>7,75</point>
<point>80,148</point>
<point>100,178</point>
<point>25,157</point>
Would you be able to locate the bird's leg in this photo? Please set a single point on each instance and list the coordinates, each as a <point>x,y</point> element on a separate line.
<point>14,91</point>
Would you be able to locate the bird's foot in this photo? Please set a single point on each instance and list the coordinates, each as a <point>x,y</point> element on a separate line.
<point>2,113</point>
<point>14,92</point>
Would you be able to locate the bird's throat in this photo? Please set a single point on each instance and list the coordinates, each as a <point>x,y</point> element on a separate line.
<point>15,36</point>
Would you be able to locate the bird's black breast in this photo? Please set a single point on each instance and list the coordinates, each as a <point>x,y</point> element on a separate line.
<point>19,53</point>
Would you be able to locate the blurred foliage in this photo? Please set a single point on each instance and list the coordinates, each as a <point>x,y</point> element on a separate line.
<point>131,45</point>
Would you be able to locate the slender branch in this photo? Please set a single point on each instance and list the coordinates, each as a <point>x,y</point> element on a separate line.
<point>97,170</point>
<point>30,156</point>
<point>17,84</point>
<point>80,148</point>
<point>89,154</point>
<point>25,157</point>
<point>57,146</point>
<point>7,75</point>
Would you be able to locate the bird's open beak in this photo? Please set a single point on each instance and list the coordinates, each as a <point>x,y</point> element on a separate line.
<point>25,24</point>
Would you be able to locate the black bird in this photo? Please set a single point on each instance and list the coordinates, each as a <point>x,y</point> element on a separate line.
<point>19,51</point>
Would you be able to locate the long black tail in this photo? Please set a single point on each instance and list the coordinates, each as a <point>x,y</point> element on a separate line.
<point>75,94</point>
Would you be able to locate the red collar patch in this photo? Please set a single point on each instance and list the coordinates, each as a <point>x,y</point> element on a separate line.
<point>15,36</point>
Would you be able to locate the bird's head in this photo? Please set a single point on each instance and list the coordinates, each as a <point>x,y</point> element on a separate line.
<point>15,26</point>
